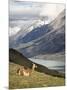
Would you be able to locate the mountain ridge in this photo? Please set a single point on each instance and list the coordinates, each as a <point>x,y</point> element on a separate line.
<point>52,42</point>
<point>45,39</point>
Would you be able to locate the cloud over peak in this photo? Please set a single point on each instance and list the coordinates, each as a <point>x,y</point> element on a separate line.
<point>19,9</point>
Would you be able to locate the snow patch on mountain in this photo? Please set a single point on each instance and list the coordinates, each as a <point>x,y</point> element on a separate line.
<point>13,30</point>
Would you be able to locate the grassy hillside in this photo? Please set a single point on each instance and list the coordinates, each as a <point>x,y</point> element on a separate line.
<point>37,79</point>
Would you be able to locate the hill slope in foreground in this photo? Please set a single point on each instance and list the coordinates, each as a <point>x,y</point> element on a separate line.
<point>37,79</point>
<point>41,77</point>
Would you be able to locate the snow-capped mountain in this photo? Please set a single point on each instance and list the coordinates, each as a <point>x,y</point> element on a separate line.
<point>43,39</point>
<point>52,41</point>
<point>18,32</point>
<point>13,30</point>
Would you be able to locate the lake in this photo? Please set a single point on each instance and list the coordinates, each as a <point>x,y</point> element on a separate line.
<point>58,65</point>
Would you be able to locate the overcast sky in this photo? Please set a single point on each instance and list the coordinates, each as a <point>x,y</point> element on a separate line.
<point>19,9</point>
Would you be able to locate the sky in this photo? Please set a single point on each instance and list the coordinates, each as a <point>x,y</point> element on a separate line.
<point>19,9</point>
<point>23,13</point>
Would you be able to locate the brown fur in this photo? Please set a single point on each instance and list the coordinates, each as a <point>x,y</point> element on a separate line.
<point>25,71</point>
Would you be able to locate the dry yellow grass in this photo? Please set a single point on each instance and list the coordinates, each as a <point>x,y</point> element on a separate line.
<point>37,79</point>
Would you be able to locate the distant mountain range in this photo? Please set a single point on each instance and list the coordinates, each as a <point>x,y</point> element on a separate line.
<point>48,38</point>
<point>16,36</point>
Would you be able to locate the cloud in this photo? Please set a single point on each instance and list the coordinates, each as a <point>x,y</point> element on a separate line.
<point>20,9</point>
<point>14,30</point>
<point>52,10</point>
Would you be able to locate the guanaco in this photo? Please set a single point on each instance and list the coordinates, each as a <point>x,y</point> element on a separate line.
<point>25,71</point>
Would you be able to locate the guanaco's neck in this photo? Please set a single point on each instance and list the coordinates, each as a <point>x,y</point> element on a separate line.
<point>33,67</point>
